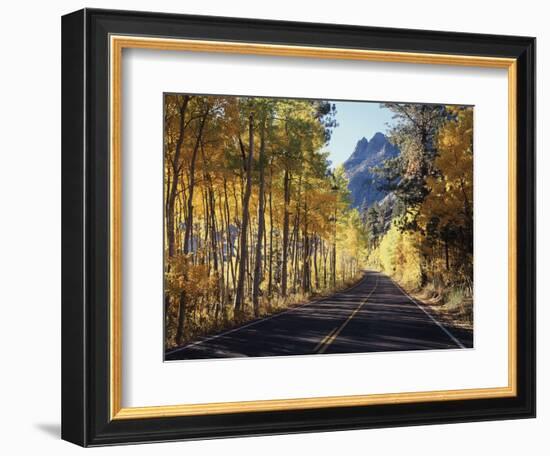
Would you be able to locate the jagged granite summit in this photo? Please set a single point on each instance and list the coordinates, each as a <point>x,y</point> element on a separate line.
<point>363,183</point>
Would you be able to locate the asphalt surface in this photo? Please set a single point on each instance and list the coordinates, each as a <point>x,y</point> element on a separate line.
<point>375,315</point>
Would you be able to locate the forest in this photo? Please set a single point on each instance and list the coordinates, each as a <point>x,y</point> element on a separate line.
<point>255,218</point>
<point>425,239</point>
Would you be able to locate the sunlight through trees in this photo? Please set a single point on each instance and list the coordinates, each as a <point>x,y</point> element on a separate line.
<point>255,219</point>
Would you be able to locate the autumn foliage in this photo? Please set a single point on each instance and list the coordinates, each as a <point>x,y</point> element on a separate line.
<point>255,219</point>
<point>428,241</point>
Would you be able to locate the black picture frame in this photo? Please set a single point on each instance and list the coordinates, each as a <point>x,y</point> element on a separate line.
<point>85,227</point>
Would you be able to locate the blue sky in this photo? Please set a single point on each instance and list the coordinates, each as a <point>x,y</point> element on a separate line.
<point>356,119</point>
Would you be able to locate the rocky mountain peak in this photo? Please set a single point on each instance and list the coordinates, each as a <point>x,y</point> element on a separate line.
<point>363,182</point>
<point>358,154</point>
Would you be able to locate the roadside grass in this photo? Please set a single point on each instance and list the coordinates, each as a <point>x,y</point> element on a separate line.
<point>452,304</point>
<point>203,324</point>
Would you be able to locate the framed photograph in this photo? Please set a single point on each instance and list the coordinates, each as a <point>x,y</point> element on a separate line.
<point>278,227</point>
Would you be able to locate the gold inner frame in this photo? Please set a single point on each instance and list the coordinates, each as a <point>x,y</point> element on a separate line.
<point>117,44</point>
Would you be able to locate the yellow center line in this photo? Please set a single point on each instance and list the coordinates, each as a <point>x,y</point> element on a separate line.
<point>320,344</point>
<point>331,337</point>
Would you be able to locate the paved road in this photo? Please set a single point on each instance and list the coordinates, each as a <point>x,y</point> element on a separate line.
<point>375,315</point>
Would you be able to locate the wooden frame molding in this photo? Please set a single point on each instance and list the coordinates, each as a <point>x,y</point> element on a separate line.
<point>116,46</point>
